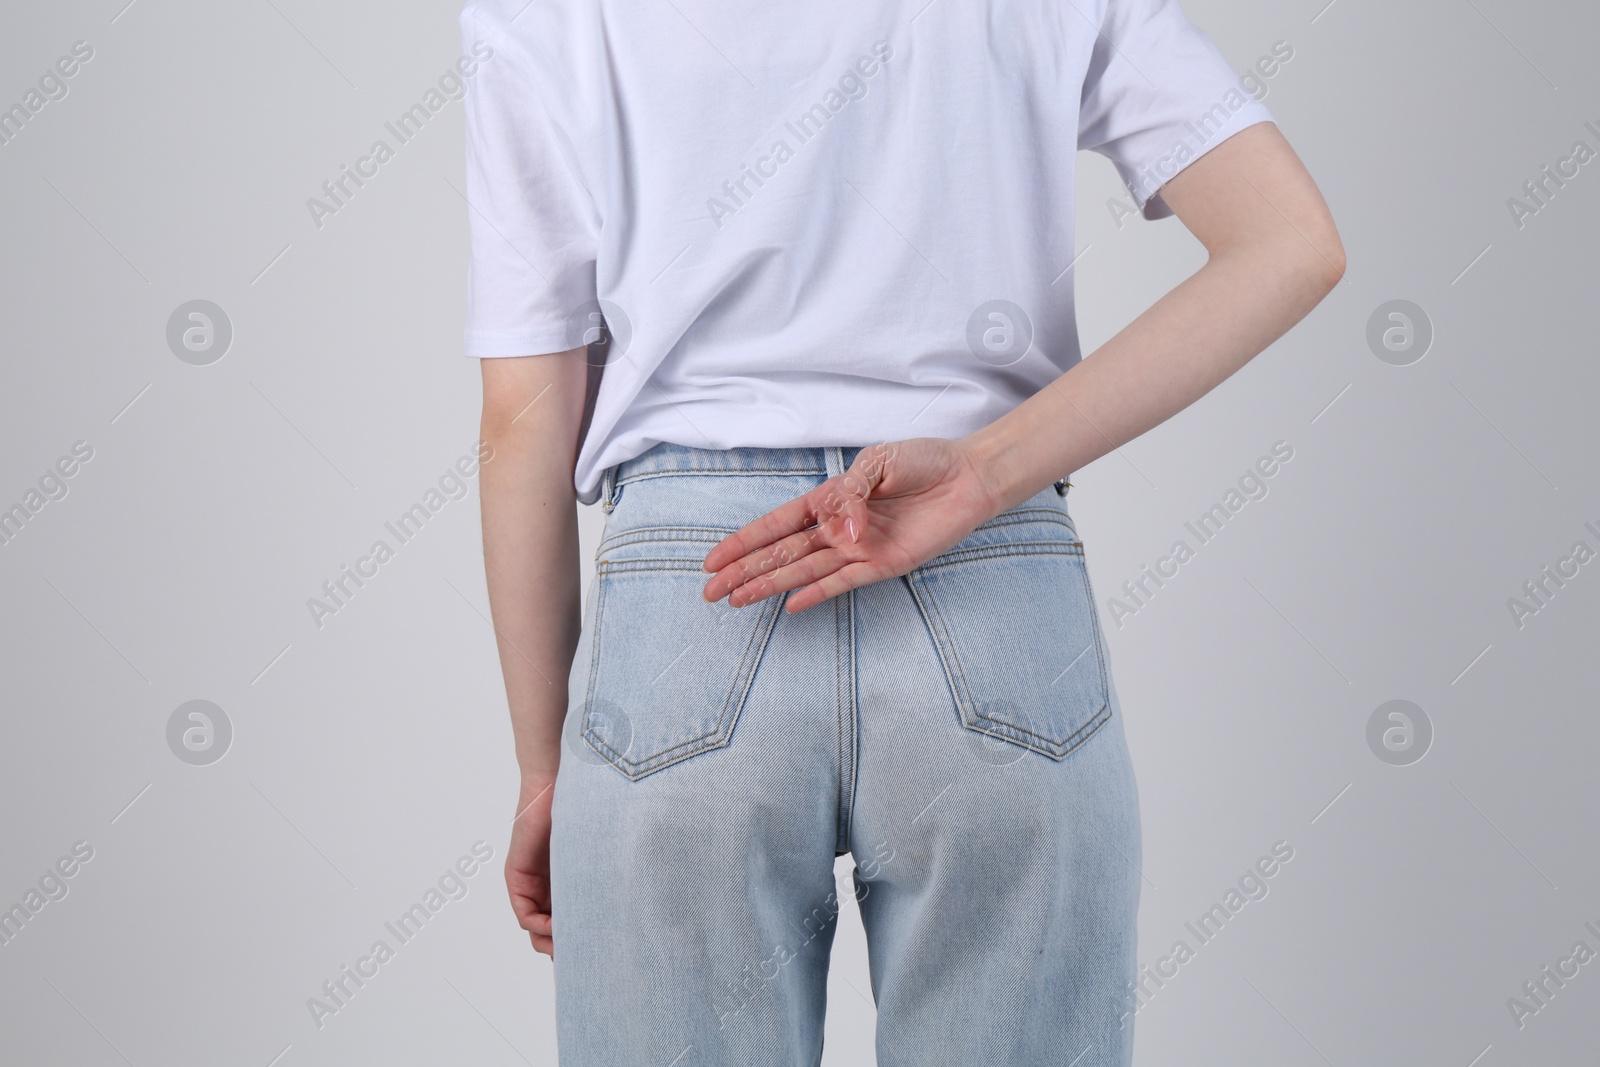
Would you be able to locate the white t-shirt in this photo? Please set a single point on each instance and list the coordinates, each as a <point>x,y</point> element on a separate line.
<point>828,223</point>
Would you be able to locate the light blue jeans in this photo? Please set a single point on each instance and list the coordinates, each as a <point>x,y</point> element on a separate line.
<point>955,730</point>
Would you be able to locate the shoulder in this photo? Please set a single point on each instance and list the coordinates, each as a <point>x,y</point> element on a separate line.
<point>521,20</point>
<point>494,15</point>
<point>543,39</point>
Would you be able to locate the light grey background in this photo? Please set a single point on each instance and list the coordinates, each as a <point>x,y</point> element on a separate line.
<point>369,754</point>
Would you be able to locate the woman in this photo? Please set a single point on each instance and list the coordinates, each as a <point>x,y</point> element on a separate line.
<point>820,258</point>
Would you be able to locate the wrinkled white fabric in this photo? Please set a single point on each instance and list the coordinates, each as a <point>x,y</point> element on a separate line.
<point>829,223</point>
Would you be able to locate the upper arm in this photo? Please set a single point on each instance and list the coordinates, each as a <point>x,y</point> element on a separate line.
<point>1252,192</point>
<point>537,396</point>
<point>533,237</point>
<point>1157,95</point>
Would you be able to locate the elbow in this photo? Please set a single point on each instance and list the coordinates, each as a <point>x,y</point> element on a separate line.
<point>1323,257</point>
<point>1331,270</point>
<point>1306,265</point>
<point>1301,259</point>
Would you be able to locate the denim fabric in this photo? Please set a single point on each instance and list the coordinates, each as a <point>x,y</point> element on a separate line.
<point>955,730</point>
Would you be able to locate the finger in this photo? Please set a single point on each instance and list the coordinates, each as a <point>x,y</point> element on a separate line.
<point>539,923</point>
<point>845,497</point>
<point>846,510</point>
<point>831,585</point>
<point>526,903</point>
<point>778,523</point>
<point>842,497</point>
<point>771,559</point>
<point>543,944</point>
<point>833,497</point>
<point>868,471</point>
<point>853,519</point>
<point>527,883</point>
<point>802,572</point>
<point>524,909</point>
<point>835,511</point>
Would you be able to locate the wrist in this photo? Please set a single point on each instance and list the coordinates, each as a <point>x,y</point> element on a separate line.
<point>537,726</point>
<point>1009,471</point>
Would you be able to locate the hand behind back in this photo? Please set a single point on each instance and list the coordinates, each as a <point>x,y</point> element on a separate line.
<point>899,505</point>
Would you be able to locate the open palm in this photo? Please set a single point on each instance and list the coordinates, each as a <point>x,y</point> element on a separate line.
<point>899,505</point>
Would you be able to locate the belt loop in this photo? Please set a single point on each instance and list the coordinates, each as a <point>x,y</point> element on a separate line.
<point>834,456</point>
<point>608,489</point>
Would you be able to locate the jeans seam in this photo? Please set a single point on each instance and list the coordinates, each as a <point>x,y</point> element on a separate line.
<point>665,564</point>
<point>848,714</point>
<point>1027,514</point>
<point>665,534</point>
<point>1097,636</point>
<point>735,471</point>
<point>594,663</point>
<point>1011,548</point>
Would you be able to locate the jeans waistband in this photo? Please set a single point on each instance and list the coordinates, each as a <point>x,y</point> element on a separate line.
<point>667,459</point>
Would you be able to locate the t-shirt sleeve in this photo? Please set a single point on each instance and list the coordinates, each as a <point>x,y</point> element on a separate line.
<point>1158,95</point>
<point>533,226</point>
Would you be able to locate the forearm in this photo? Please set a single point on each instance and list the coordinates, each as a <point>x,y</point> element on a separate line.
<point>1274,253</point>
<point>530,544</point>
<point>1186,344</point>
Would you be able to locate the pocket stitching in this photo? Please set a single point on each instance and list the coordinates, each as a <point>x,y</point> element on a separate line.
<point>738,692</point>
<point>961,691</point>
<point>664,564</point>
<point>1009,548</point>
<point>1026,514</point>
<point>709,535</point>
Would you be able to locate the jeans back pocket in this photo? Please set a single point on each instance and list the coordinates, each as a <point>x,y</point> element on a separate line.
<point>1013,620</point>
<point>668,671</point>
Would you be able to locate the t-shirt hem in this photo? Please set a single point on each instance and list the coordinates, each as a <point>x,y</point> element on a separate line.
<point>488,344</point>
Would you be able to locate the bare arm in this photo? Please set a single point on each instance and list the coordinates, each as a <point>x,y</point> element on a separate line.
<point>532,409</point>
<point>1273,254</point>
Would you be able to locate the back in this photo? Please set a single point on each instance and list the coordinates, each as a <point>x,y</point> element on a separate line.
<point>821,225</point>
